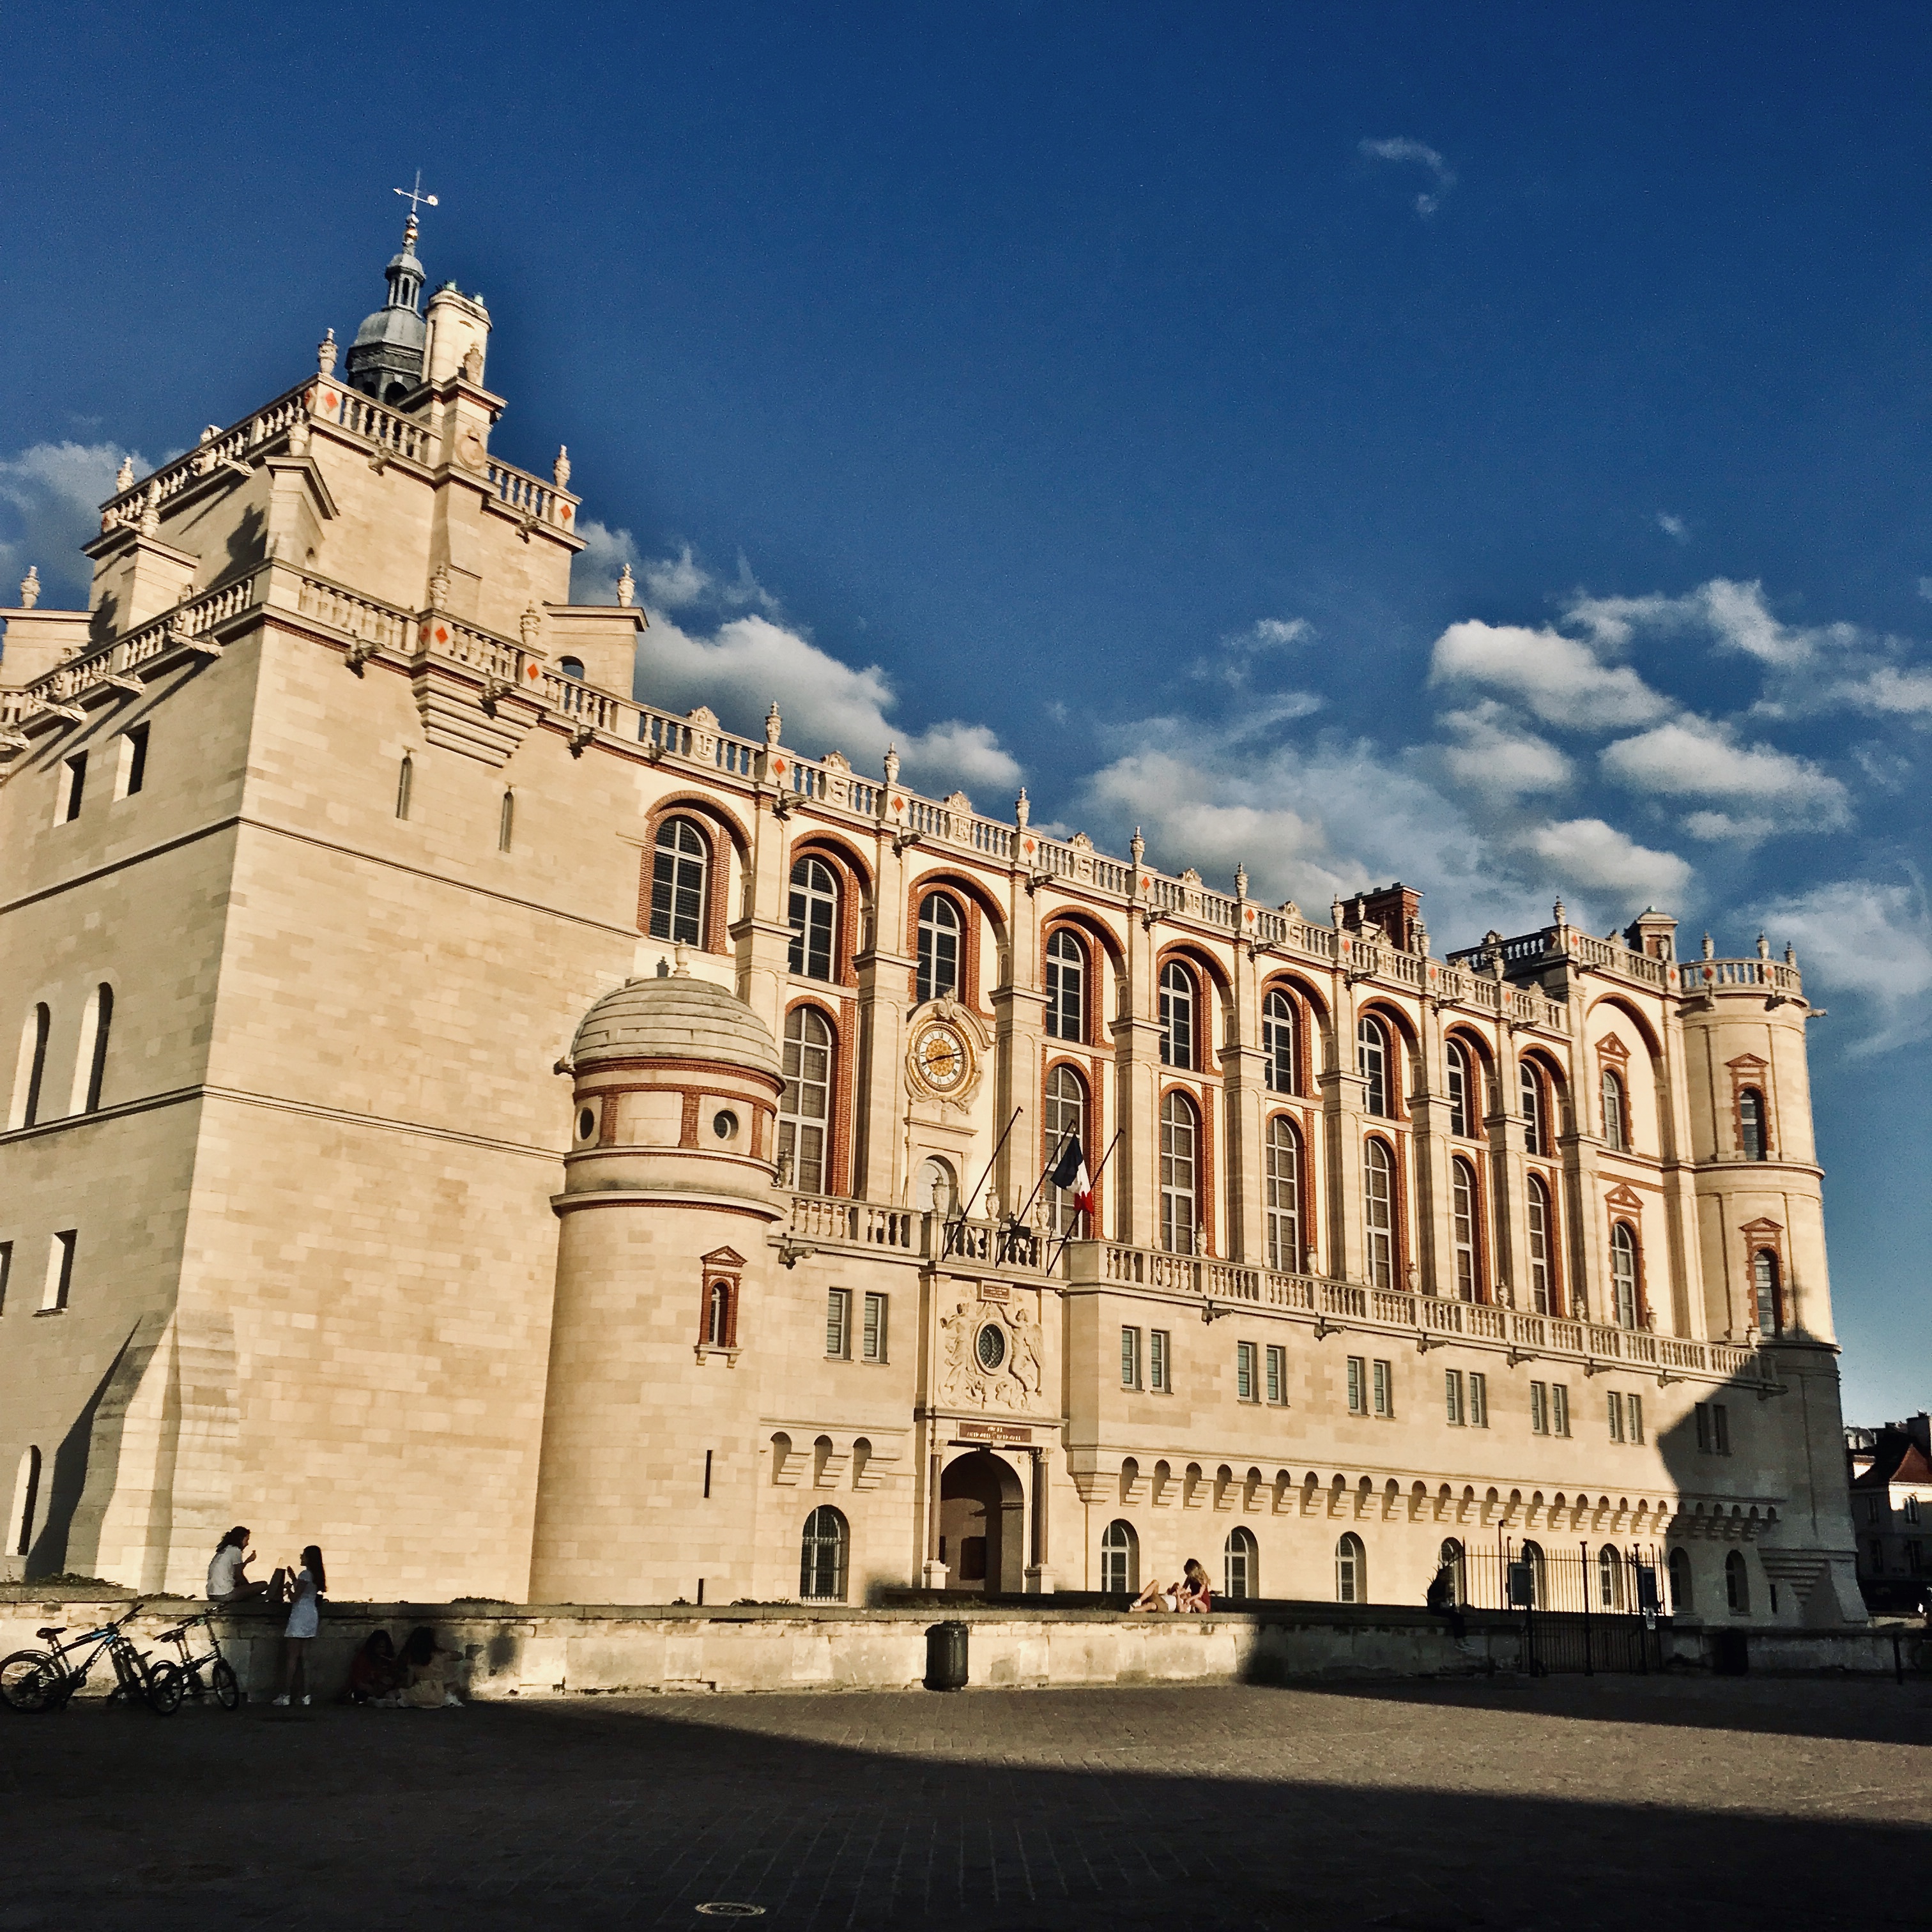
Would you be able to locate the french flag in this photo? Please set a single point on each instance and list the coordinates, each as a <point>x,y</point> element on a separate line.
<point>1072,1175</point>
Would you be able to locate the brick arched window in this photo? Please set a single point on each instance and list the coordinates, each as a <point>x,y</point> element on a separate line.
<point>1756,1143</point>
<point>1179,1041</point>
<point>1180,1173</point>
<point>1460,1075</point>
<point>1769,1292</point>
<point>939,946</point>
<point>1372,1063</point>
<point>805,1112</point>
<point>1280,1026</point>
<point>1543,1287</point>
<point>1065,1121</point>
<point>1464,1221</point>
<point>1623,1297</point>
<point>1066,986</point>
<point>813,910</point>
<point>1284,1196</point>
<point>1378,1215</point>
<point>680,881</point>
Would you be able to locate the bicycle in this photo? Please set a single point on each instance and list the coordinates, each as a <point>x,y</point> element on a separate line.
<point>48,1680</point>
<point>223,1684</point>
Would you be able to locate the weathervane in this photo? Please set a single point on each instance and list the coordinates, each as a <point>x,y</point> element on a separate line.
<point>414,196</point>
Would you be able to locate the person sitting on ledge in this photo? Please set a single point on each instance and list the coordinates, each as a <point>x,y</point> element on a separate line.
<point>1191,1593</point>
<point>227,1582</point>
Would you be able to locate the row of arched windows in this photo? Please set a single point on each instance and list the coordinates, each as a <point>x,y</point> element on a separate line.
<point>29,1105</point>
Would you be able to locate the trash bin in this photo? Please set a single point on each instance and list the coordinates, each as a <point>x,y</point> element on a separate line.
<point>945,1657</point>
<point>1730,1653</point>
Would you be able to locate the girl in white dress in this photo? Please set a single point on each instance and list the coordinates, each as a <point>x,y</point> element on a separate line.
<point>304,1619</point>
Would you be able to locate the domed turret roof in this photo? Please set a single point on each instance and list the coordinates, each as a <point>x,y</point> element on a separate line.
<point>675,1017</point>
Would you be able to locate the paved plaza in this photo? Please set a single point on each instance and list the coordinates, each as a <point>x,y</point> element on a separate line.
<point>1567,1803</point>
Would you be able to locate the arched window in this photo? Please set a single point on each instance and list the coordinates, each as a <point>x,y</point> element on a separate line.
<point>100,1021</point>
<point>506,822</point>
<point>1751,1124</point>
<point>1539,1576</point>
<point>938,1187</point>
<point>1180,1201</point>
<point>823,1557</point>
<point>1066,986</point>
<point>1623,1274</point>
<point>1351,1571</point>
<point>26,1498</point>
<point>1372,1063</point>
<point>1542,1249</point>
<point>1737,1585</point>
<point>1120,1559</point>
<point>721,1324</point>
<point>1462,1113</point>
<point>1378,1213</point>
<point>1462,1226</point>
<point>1241,1565</point>
<point>1284,1196</point>
<point>1176,1015</point>
<point>1065,1120</point>
<point>1535,1127</point>
<point>1764,1281</point>
<point>805,1110</point>
<point>571,668</point>
<point>1616,1135</point>
<point>938,948</point>
<point>32,1075</point>
<point>1609,1578</point>
<point>678,877</point>
<point>1454,1558</point>
<point>1278,1038</point>
<point>1683,1598</point>
<point>813,914</point>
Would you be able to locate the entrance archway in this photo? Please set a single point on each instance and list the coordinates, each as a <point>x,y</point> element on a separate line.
<point>980,1504</point>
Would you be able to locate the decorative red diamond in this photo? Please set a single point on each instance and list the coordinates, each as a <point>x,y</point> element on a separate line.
<point>530,670</point>
<point>441,635</point>
<point>777,767</point>
<point>328,401</point>
<point>422,636</point>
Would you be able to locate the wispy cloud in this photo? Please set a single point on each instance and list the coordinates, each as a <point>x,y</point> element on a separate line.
<point>1494,754</point>
<point>50,499</point>
<point>1399,147</point>
<point>1870,940</point>
<point>1761,789</point>
<point>1234,660</point>
<point>1674,528</point>
<point>1560,679</point>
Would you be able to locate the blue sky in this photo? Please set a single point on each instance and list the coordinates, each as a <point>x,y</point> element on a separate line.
<point>1482,444</point>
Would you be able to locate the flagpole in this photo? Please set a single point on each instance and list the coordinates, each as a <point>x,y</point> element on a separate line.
<point>1021,1217</point>
<point>967,1204</point>
<point>1095,1178</point>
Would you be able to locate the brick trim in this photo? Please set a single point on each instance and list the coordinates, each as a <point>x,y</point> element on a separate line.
<point>853,886</point>
<point>711,820</point>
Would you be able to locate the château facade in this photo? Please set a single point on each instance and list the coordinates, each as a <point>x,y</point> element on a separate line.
<point>538,1146</point>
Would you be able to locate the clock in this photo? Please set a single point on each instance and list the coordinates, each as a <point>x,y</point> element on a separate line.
<point>942,1059</point>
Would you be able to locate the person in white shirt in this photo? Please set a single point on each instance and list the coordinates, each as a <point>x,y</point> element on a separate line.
<point>228,1582</point>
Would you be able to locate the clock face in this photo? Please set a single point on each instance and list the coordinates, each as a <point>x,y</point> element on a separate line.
<point>943,1058</point>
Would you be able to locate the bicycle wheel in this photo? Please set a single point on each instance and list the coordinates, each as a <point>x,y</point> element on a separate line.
<point>227,1685</point>
<point>166,1687</point>
<point>30,1680</point>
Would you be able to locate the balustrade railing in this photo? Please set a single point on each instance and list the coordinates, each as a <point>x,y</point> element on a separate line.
<point>823,1217</point>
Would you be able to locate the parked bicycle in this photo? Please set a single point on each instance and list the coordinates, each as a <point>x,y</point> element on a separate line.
<point>221,1682</point>
<point>47,1680</point>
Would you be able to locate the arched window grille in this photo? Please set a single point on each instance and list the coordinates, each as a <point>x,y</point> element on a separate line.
<point>813,911</point>
<point>823,1554</point>
<point>805,1112</point>
<point>1737,1584</point>
<point>1616,1135</point>
<point>938,948</point>
<point>1462,1114</point>
<point>1453,1557</point>
<point>1542,1249</point>
<point>1279,1031</point>
<point>102,1019</point>
<point>1372,1063</point>
<point>679,869</point>
<point>1241,1565</point>
<point>1609,1578</point>
<point>1378,1213</point>
<point>1065,1117</point>
<point>1539,1576</point>
<point>1462,1226</point>
<point>1351,1571</point>
<point>1176,1015</point>
<point>1180,1200</point>
<point>1750,1123</point>
<point>1535,1127</point>
<point>1623,1274</point>
<point>1066,986</point>
<point>1120,1559</point>
<point>1284,1196</point>
<point>1765,1284</point>
<point>1683,1595</point>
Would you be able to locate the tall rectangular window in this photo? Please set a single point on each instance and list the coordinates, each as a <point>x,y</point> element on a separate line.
<point>1616,1403</point>
<point>873,1336</point>
<point>133,772</point>
<point>839,1323</point>
<point>1277,1375</point>
<point>6,1271</point>
<point>1358,1386</point>
<point>1721,1428</point>
<point>1452,1396</point>
<point>1633,1416</point>
<point>406,773</point>
<point>1385,1388</point>
<point>1539,1409</point>
<point>1159,1357</point>
<point>1244,1371</point>
<point>73,783</point>
<point>1559,1409</point>
<point>1703,1415</point>
<point>1479,1401</point>
<point>506,823</point>
<point>1130,1358</point>
<point>60,1272</point>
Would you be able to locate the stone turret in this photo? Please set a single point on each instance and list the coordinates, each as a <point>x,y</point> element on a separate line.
<point>385,361</point>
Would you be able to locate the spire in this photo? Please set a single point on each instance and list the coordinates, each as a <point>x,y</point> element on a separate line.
<point>385,361</point>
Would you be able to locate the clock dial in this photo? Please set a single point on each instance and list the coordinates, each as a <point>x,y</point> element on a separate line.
<point>943,1059</point>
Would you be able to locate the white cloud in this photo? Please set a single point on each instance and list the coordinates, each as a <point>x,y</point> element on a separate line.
<point>1281,630</point>
<point>1562,680</point>
<point>1674,528</point>
<point>51,494</point>
<point>1870,941</point>
<point>1235,664</point>
<point>673,581</point>
<point>1693,757</point>
<point>665,582</point>
<point>1399,147</point>
<point>1888,691</point>
<point>1597,857</point>
<point>595,569</point>
<point>1495,757</point>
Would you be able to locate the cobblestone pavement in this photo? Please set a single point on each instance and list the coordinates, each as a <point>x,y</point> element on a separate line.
<point>1566,1804</point>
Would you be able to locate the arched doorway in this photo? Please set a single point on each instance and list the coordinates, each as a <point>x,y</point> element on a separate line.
<point>980,1501</point>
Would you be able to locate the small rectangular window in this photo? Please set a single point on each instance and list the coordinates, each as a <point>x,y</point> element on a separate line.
<point>839,1323</point>
<point>1244,1371</point>
<point>1130,1358</point>
<point>1452,1396</point>
<point>873,1342</point>
<point>1559,1409</point>
<point>1159,1351</point>
<point>1277,1375</point>
<point>1703,1413</point>
<point>1633,1416</point>
<point>1479,1401</point>
<point>73,783</point>
<point>1616,1403</point>
<point>60,1272</point>
<point>1385,1388</point>
<point>134,768</point>
<point>1539,1409</point>
<point>1358,1386</point>
<point>1911,1502</point>
<point>1721,1428</point>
